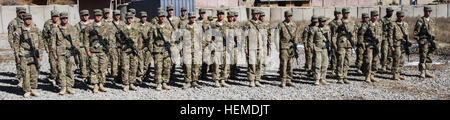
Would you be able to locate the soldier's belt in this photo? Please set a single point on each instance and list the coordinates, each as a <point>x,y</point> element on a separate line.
<point>27,55</point>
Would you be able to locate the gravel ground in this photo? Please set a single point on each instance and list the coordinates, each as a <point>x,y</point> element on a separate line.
<point>413,88</point>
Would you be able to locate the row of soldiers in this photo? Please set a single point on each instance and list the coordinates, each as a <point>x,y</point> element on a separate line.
<point>127,48</point>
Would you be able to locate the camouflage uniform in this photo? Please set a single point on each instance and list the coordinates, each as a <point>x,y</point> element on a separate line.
<point>98,42</point>
<point>183,19</point>
<point>12,27</point>
<point>192,54</point>
<point>174,23</point>
<point>129,59</point>
<point>344,46</point>
<point>65,51</point>
<point>163,61</point>
<point>254,48</point>
<point>82,54</point>
<point>308,44</point>
<point>206,52</point>
<point>287,31</point>
<point>146,57</point>
<point>30,73</point>
<point>371,33</point>
<point>400,29</point>
<point>48,37</point>
<point>221,54</point>
<point>266,32</point>
<point>320,36</point>
<point>386,52</point>
<point>115,53</point>
<point>423,26</point>
<point>334,24</point>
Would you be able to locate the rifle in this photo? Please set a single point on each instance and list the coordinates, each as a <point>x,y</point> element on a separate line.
<point>430,39</point>
<point>328,46</point>
<point>405,42</point>
<point>69,37</point>
<point>101,40</point>
<point>129,41</point>
<point>166,43</point>
<point>34,51</point>
<point>347,33</point>
<point>292,39</point>
<point>373,41</point>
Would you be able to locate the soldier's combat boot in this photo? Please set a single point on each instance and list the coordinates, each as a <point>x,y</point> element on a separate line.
<point>132,87</point>
<point>289,83</point>
<point>63,91</point>
<point>368,79</point>
<point>165,86</point>
<point>401,77</point>
<point>340,81</point>
<point>283,83</point>
<point>103,89</point>
<point>359,71</point>
<point>252,83</point>
<point>27,94</point>
<point>95,90</point>
<point>70,90</point>
<point>258,84</point>
<point>383,69</point>
<point>372,78</point>
<point>396,77</point>
<point>195,84</point>
<point>346,81</point>
<point>159,87</point>
<point>224,84</point>
<point>422,74</point>
<point>34,93</point>
<point>323,82</point>
<point>126,88</point>
<point>187,85</point>
<point>428,75</point>
<point>20,82</point>
<point>317,82</point>
<point>217,84</point>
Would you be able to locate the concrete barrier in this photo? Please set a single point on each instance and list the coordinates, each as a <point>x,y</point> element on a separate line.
<point>1,21</point>
<point>38,15</point>
<point>329,12</point>
<point>441,10</point>
<point>266,11</point>
<point>448,10</point>
<point>47,10</point>
<point>418,11</point>
<point>409,10</point>
<point>318,11</point>
<point>74,15</point>
<point>277,14</point>
<point>367,10</point>
<point>303,13</point>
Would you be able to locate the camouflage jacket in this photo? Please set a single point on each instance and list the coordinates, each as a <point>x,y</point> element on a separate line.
<point>285,36</point>
<point>252,28</point>
<point>220,27</point>
<point>48,34</point>
<point>100,42</point>
<point>423,25</point>
<point>307,31</point>
<point>81,26</point>
<point>162,34</point>
<point>321,38</point>
<point>398,29</point>
<point>387,26</point>
<point>370,39</point>
<point>61,44</point>
<point>23,34</point>
<point>192,49</point>
<point>174,22</point>
<point>116,32</point>
<point>342,40</point>
<point>132,37</point>
<point>334,25</point>
<point>13,26</point>
<point>147,40</point>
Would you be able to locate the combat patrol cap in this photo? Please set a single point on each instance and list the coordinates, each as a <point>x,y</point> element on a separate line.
<point>183,9</point>
<point>202,11</point>
<point>210,18</point>
<point>116,12</point>
<point>170,7</point>
<point>220,12</point>
<point>21,10</point>
<point>129,15</point>
<point>106,10</point>
<point>98,12</point>
<point>365,15</point>
<point>287,13</point>
<point>373,13</point>
<point>84,12</point>
<point>143,14</point>
<point>337,12</point>
<point>27,16</point>
<point>314,19</point>
<point>345,10</point>
<point>191,15</point>
<point>255,11</point>
<point>160,9</point>
<point>161,14</point>
<point>262,13</point>
<point>236,14</point>
<point>322,19</point>
<point>132,10</point>
<point>64,15</point>
<point>54,13</point>
<point>427,9</point>
<point>389,9</point>
<point>400,14</point>
<point>230,14</point>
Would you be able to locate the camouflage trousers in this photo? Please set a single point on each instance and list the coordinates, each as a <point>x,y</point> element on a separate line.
<point>144,61</point>
<point>221,65</point>
<point>255,66</point>
<point>286,64</point>
<point>191,72</point>
<point>234,66</point>
<point>114,62</point>
<point>53,65</point>
<point>359,57</point>
<point>426,56</point>
<point>320,64</point>
<point>206,57</point>
<point>29,74</point>
<point>385,54</point>
<point>343,55</point>
<point>18,71</point>
<point>308,60</point>
<point>163,63</point>
<point>66,68</point>
<point>370,61</point>
<point>399,60</point>
<point>84,63</point>
<point>129,63</point>
<point>99,68</point>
